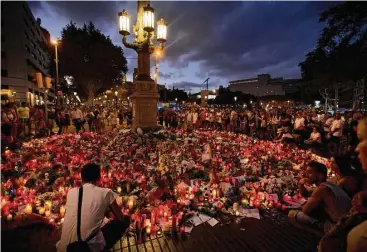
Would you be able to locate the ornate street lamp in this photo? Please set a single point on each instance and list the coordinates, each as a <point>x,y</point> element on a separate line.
<point>145,96</point>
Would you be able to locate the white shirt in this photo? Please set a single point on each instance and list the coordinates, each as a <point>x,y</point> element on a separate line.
<point>328,123</point>
<point>76,114</point>
<point>316,136</point>
<point>195,117</point>
<point>189,117</point>
<point>337,124</point>
<point>299,122</point>
<point>95,203</point>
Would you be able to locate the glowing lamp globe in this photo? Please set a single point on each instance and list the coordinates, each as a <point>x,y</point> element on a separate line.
<point>148,18</point>
<point>124,21</point>
<point>161,30</point>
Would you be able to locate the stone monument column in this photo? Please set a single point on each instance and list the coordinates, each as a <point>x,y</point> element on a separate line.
<point>145,94</point>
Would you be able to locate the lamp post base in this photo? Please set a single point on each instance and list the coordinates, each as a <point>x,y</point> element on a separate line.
<point>144,101</point>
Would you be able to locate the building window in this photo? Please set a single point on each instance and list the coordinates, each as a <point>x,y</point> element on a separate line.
<point>4,73</point>
<point>27,49</point>
<point>30,78</point>
<point>3,55</point>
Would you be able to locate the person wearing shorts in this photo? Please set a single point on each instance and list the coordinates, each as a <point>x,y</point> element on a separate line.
<point>23,112</point>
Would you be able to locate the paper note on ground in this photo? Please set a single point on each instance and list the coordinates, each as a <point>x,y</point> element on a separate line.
<point>188,229</point>
<point>213,222</point>
<point>250,213</point>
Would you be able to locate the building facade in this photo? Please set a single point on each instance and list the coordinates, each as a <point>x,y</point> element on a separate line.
<point>25,60</point>
<point>264,85</point>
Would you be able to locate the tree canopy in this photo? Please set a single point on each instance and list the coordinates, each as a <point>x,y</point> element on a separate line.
<point>91,58</point>
<point>341,51</point>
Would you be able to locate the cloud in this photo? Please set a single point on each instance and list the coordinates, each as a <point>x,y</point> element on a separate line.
<point>170,75</point>
<point>166,75</point>
<point>222,40</point>
<point>188,86</point>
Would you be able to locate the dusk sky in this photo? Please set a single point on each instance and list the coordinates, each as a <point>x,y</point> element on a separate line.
<point>221,40</point>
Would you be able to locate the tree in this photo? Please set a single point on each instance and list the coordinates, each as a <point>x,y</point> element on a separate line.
<point>341,51</point>
<point>91,58</point>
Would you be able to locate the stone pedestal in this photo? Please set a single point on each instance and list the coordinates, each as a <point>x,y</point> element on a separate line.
<point>144,102</point>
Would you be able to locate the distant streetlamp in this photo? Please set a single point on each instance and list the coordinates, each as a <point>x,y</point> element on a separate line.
<point>58,88</point>
<point>235,98</point>
<point>146,88</point>
<point>176,99</point>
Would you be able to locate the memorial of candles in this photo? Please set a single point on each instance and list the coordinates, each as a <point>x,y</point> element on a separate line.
<point>158,175</point>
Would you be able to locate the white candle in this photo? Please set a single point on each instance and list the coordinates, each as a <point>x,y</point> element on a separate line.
<point>28,209</point>
<point>214,192</point>
<point>41,211</point>
<point>49,204</point>
<point>62,210</point>
<point>131,204</point>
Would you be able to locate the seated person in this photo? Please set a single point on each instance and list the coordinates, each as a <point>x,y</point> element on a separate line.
<point>284,136</point>
<point>299,128</point>
<point>315,138</point>
<point>96,201</point>
<point>362,151</point>
<point>328,202</point>
<point>336,238</point>
<point>357,238</point>
<point>346,175</point>
<point>353,139</point>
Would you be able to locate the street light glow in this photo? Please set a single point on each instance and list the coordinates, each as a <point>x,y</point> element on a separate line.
<point>148,18</point>
<point>161,30</point>
<point>124,21</point>
<point>54,42</point>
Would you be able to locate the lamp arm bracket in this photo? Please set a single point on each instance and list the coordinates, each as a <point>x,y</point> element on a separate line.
<point>129,45</point>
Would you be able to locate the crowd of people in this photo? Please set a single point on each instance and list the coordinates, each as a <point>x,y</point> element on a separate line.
<point>19,123</point>
<point>306,128</point>
<point>337,208</point>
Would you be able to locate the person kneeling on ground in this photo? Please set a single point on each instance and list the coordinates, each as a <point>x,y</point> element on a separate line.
<point>336,238</point>
<point>328,202</point>
<point>315,138</point>
<point>96,202</point>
